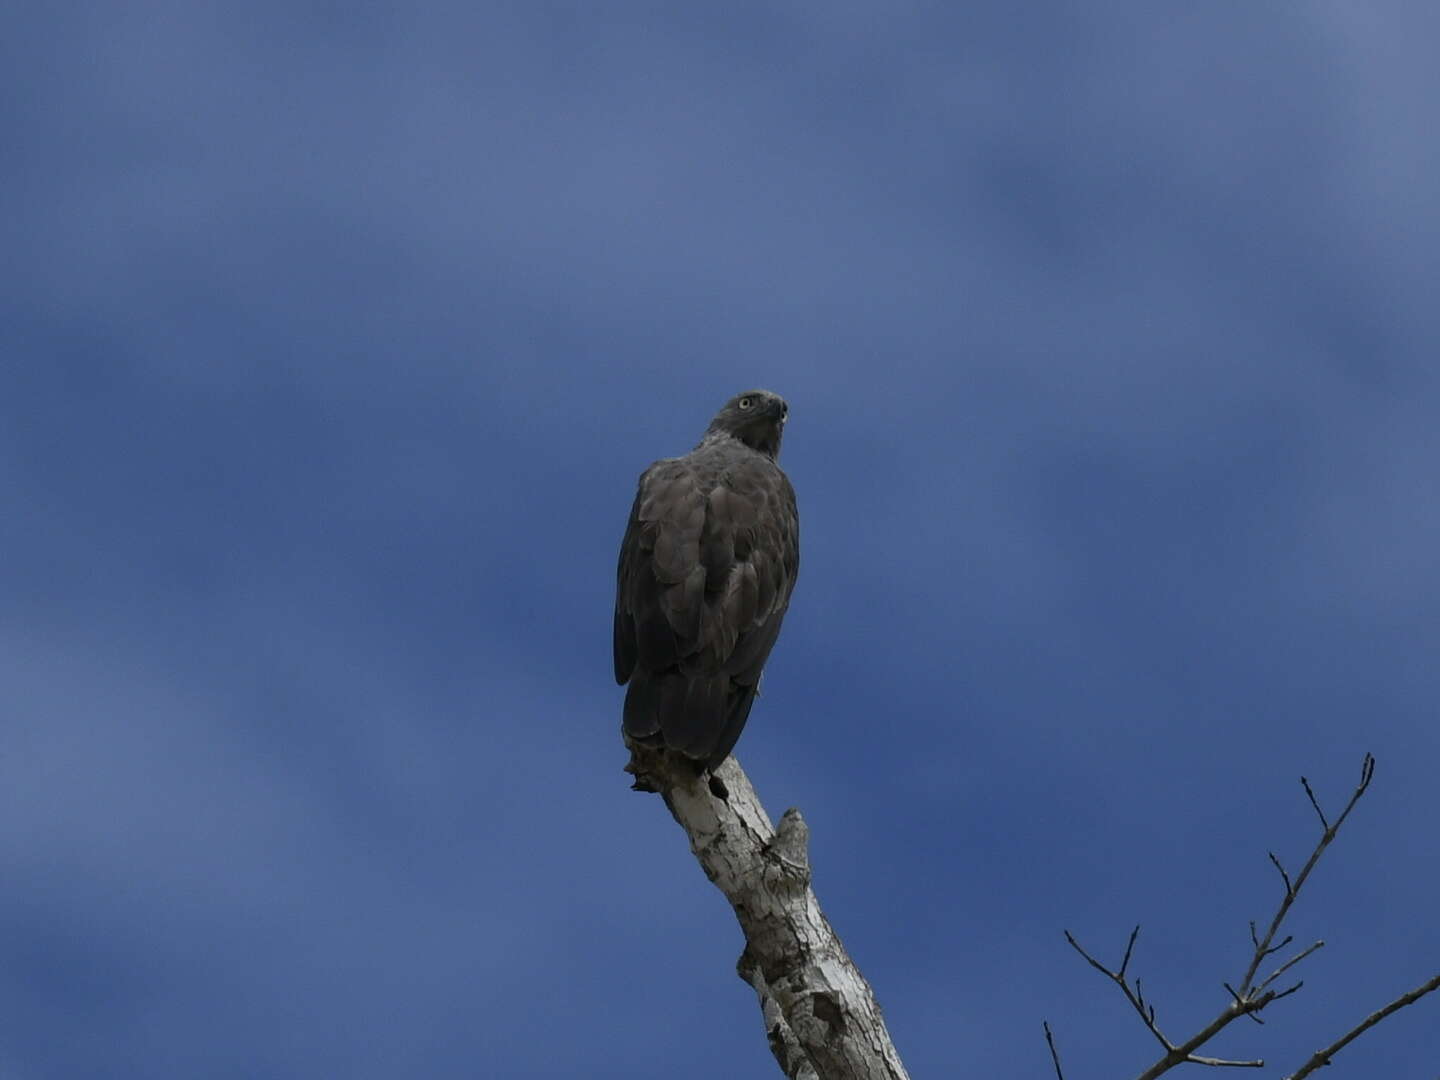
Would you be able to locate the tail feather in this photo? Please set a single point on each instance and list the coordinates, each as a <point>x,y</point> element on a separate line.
<point>701,717</point>
<point>742,698</point>
<point>697,718</point>
<point>642,708</point>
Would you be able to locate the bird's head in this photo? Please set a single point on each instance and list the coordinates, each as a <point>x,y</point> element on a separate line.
<point>756,418</point>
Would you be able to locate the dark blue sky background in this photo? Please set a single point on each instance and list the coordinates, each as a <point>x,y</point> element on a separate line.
<point>334,338</point>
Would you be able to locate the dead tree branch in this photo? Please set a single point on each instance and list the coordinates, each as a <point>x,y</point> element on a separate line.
<point>1175,1054</point>
<point>821,1017</point>
<point>1251,994</point>
<point>1054,1054</point>
<point>1322,1057</point>
<point>1263,949</point>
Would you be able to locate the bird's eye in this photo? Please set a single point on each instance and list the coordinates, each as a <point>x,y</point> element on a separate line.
<point>745,402</point>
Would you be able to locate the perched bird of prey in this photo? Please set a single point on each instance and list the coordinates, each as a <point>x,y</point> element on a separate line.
<point>706,568</point>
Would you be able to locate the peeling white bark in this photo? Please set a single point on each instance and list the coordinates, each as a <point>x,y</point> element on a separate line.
<point>820,1014</point>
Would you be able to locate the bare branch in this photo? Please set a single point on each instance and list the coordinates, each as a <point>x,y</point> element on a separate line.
<point>1289,964</point>
<point>1249,998</point>
<point>1081,950</point>
<point>1322,1057</point>
<point>1129,948</point>
<point>1054,1054</point>
<point>820,1014</point>
<point>1289,889</point>
<point>1185,1052</point>
<point>1277,995</point>
<point>1135,997</point>
<point>1367,773</point>
<point>1325,825</point>
<point>1256,1063</point>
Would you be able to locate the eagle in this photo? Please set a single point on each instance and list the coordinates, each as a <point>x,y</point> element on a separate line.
<point>707,564</point>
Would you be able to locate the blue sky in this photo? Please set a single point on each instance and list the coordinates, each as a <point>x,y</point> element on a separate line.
<point>335,337</point>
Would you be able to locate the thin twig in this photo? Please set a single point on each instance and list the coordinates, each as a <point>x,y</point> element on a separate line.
<point>1276,996</point>
<point>1135,997</point>
<point>1322,1057</point>
<point>1367,773</point>
<point>1054,1054</point>
<point>1291,963</point>
<point>1273,949</point>
<point>1129,948</point>
<point>1315,803</point>
<point>1093,962</point>
<point>1289,889</point>
<point>1255,1063</point>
